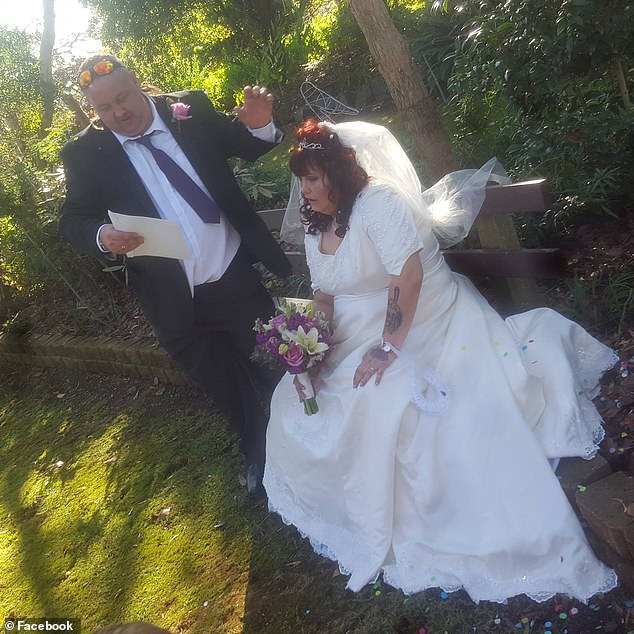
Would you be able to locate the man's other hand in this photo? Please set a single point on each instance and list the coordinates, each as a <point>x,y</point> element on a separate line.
<point>119,242</point>
<point>257,110</point>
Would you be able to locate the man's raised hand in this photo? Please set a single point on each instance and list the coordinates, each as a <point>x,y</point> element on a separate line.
<point>257,110</point>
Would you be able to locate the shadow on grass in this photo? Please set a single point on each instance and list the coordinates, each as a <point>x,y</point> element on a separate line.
<point>120,501</point>
<point>121,508</point>
<point>32,453</point>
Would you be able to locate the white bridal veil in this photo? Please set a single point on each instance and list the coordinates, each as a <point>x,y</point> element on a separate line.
<point>449,207</point>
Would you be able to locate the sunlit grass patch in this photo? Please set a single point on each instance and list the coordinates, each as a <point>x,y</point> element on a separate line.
<point>116,508</point>
<point>127,517</point>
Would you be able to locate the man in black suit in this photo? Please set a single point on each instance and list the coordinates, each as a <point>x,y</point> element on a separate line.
<point>202,308</point>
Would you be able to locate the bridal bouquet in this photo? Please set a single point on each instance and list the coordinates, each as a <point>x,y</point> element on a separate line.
<point>296,339</point>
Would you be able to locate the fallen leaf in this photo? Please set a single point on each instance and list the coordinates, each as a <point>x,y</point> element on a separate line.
<point>163,514</point>
<point>56,466</point>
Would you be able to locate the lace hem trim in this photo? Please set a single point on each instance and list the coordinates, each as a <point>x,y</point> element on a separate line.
<point>500,593</point>
<point>587,420</point>
<point>478,588</point>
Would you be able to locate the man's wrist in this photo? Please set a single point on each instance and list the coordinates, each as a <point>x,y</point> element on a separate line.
<point>268,132</point>
<point>102,247</point>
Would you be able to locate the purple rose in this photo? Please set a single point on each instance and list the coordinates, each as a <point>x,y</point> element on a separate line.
<point>294,357</point>
<point>180,111</point>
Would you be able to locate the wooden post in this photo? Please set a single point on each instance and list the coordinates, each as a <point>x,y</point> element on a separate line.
<point>498,232</point>
<point>419,112</point>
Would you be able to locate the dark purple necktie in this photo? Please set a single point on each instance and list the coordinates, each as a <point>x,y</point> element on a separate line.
<point>200,202</point>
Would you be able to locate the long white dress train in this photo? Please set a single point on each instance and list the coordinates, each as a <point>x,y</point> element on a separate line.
<point>464,498</point>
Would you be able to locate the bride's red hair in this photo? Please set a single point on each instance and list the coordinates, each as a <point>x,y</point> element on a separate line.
<point>320,148</point>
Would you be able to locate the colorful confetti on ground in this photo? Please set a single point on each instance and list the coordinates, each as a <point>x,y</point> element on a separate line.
<point>603,614</point>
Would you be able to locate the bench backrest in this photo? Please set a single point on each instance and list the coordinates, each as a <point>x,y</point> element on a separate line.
<point>525,197</point>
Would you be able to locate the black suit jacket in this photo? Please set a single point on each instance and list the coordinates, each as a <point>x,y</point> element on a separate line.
<point>99,176</point>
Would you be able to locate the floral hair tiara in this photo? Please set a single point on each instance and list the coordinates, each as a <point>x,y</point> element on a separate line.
<point>305,145</point>
<point>101,68</point>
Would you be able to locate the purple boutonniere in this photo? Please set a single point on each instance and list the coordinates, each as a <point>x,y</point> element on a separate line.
<point>180,112</point>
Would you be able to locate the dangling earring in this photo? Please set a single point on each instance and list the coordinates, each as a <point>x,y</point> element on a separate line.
<point>305,207</point>
<point>342,227</point>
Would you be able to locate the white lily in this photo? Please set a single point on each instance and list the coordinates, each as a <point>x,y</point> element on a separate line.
<point>307,340</point>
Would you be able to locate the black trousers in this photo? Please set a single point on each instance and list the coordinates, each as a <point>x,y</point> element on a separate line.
<point>216,352</point>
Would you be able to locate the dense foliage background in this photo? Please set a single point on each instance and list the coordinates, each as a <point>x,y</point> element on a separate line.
<point>546,85</point>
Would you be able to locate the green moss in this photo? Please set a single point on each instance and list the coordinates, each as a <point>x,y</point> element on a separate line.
<point>145,520</point>
<point>120,517</point>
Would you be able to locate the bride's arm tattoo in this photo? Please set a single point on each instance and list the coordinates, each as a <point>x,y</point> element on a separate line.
<point>394,316</point>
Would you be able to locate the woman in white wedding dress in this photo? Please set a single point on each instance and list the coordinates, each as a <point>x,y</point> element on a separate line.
<point>428,461</point>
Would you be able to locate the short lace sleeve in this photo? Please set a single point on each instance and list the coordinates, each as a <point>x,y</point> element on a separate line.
<point>387,220</point>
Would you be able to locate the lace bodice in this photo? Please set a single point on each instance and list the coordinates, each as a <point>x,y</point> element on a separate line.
<point>381,237</point>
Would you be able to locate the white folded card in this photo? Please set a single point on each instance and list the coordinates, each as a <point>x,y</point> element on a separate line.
<point>163,238</point>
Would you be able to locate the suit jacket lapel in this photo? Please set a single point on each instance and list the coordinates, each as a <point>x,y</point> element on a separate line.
<point>189,144</point>
<point>124,183</point>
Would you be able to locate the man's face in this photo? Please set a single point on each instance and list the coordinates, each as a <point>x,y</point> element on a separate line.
<point>120,103</point>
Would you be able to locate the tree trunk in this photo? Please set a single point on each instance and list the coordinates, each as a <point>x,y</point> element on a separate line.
<point>47,85</point>
<point>406,86</point>
<point>416,107</point>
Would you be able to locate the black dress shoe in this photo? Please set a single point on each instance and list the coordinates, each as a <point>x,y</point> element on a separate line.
<point>255,489</point>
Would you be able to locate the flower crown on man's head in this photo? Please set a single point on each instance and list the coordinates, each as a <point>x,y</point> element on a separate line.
<point>101,67</point>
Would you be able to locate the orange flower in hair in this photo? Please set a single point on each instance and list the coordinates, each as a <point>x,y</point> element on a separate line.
<point>104,67</point>
<point>99,69</point>
<point>85,78</point>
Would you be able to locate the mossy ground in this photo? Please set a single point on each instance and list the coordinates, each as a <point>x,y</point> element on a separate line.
<point>120,500</point>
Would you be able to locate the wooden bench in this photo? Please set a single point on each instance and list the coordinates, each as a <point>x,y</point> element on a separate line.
<point>518,267</point>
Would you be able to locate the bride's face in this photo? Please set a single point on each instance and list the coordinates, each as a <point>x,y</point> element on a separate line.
<point>316,188</point>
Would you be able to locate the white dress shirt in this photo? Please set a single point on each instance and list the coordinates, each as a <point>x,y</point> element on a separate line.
<point>212,246</point>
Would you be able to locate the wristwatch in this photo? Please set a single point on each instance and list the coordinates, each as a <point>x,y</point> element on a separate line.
<point>386,346</point>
